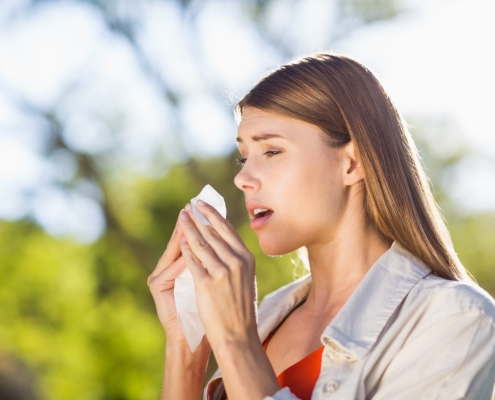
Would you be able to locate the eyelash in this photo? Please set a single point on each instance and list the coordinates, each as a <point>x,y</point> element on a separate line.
<point>271,153</point>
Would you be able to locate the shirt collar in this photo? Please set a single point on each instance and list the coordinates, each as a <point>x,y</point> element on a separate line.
<point>278,304</point>
<point>356,327</point>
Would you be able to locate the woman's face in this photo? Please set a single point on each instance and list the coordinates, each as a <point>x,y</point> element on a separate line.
<point>290,171</point>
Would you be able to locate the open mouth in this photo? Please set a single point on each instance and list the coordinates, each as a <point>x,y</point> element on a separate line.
<point>260,213</point>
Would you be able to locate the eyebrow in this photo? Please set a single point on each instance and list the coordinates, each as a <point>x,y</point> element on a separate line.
<point>259,138</point>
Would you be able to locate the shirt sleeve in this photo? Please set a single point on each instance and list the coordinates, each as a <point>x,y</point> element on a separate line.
<point>283,394</point>
<point>454,358</point>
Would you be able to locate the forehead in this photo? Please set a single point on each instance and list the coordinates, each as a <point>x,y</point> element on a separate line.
<point>256,123</point>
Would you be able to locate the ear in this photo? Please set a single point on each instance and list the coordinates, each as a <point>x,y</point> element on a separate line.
<point>353,172</point>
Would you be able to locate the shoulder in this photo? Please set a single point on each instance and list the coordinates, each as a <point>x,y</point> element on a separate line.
<point>456,296</point>
<point>441,343</point>
<point>432,293</point>
<point>438,299</point>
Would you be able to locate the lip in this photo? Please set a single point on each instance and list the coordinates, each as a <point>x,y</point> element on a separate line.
<point>256,223</point>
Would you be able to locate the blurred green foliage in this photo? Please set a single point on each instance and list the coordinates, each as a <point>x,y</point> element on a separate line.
<point>77,320</point>
<point>81,316</point>
<point>473,238</point>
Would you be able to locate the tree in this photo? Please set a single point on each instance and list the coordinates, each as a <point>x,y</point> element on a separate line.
<point>78,321</point>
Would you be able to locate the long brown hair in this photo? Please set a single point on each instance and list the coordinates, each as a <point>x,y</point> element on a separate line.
<point>344,99</point>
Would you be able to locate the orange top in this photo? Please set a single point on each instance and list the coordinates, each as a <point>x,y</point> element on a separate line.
<point>300,377</point>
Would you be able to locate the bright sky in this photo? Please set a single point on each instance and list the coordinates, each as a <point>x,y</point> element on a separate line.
<point>439,62</point>
<point>436,61</point>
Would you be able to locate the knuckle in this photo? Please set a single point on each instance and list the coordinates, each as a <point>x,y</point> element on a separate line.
<point>222,275</point>
<point>203,245</point>
<point>152,285</point>
<point>236,264</point>
<point>210,234</point>
<point>227,226</point>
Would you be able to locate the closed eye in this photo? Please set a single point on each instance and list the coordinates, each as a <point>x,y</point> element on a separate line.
<point>268,154</point>
<point>271,153</point>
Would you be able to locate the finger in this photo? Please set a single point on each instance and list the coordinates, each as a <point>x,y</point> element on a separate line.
<point>206,228</point>
<point>173,248</point>
<point>171,253</point>
<point>223,238</point>
<point>165,278</point>
<point>221,248</point>
<point>221,225</point>
<point>193,263</point>
<point>199,246</point>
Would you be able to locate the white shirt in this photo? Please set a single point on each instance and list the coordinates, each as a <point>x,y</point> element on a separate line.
<point>403,334</point>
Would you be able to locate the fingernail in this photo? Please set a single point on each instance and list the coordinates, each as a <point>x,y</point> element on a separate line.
<point>200,203</point>
<point>183,239</point>
<point>184,216</point>
<point>188,207</point>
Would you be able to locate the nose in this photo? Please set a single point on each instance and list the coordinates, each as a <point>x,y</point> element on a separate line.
<point>246,180</point>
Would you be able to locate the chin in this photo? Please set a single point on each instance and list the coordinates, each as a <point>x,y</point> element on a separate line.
<point>278,247</point>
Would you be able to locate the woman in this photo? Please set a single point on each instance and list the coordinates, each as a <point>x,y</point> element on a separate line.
<point>387,312</point>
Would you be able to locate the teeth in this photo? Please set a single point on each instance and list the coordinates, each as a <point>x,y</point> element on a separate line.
<point>259,210</point>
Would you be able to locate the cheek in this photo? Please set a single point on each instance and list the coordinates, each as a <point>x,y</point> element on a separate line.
<point>308,201</point>
<point>318,189</point>
<point>318,202</point>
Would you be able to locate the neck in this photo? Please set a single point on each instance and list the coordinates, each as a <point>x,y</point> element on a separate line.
<point>339,265</point>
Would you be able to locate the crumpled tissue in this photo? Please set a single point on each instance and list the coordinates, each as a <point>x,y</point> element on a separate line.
<point>184,291</point>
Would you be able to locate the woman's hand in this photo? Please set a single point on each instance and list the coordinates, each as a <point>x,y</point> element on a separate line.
<point>223,270</point>
<point>161,284</point>
<point>184,370</point>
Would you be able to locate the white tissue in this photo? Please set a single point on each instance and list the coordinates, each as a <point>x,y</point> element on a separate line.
<point>184,291</point>
<point>213,198</point>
